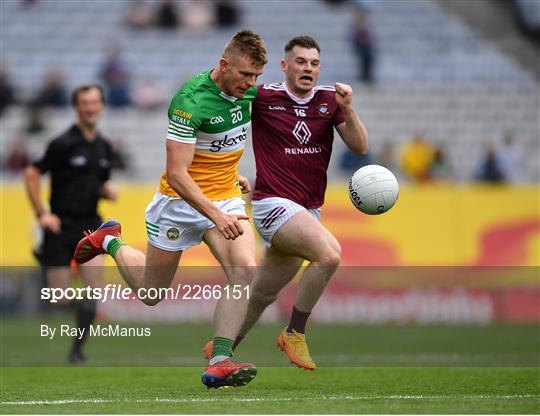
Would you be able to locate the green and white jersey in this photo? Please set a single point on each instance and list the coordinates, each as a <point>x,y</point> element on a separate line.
<point>217,124</point>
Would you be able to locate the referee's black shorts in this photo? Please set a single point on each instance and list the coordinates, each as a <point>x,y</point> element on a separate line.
<point>58,249</point>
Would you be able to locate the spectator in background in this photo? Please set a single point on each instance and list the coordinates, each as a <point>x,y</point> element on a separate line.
<point>34,121</point>
<point>512,160</point>
<point>17,158</point>
<point>489,168</point>
<point>7,92</point>
<point>227,13</point>
<point>53,93</point>
<point>167,16</point>
<point>388,158</point>
<point>198,15</point>
<point>363,45</point>
<point>149,95</point>
<point>417,158</point>
<point>440,169</point>
<point>115,75</point>
<point>139,15</point>
<point>527,15</point>
<point>27,4</point>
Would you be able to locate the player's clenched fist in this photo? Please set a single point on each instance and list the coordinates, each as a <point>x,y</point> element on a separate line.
<point>229,225</point>
<point>343,94</point>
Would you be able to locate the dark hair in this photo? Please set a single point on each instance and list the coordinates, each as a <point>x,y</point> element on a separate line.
<point>248,44</point>
<point>303,41</point>
<point>84,88</point>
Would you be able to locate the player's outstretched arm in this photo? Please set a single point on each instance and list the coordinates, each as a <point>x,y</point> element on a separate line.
<point>179,158</point>
<point>352,131</point>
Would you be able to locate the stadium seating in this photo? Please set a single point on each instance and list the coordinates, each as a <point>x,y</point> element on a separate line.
<point>433,74</point>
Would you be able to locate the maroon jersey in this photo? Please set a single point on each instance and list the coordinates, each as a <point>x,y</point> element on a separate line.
<point>292,141</point>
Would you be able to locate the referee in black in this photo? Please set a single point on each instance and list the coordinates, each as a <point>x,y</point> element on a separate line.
<point>79,162</point>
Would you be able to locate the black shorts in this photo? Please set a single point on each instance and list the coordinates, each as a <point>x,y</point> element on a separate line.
<point>58,249</point>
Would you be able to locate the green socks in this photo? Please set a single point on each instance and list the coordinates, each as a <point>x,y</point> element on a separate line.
<point>114,245</point>
<point>222,346</point>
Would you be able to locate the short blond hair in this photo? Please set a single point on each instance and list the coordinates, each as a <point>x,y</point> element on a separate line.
<point>247,44</point>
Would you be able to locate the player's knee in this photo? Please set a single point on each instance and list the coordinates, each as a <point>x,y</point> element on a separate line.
<point>331,257</point>
<point>243,275</point>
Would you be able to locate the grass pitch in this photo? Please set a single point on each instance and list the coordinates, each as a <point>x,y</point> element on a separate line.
<point>275,390</point>
<point>363,369</point>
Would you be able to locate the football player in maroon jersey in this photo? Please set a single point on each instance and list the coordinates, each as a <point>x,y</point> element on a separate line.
<point>293,130</point>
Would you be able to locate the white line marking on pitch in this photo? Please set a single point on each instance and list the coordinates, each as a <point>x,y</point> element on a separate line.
<point>38,402</point>
<point>282,399</point>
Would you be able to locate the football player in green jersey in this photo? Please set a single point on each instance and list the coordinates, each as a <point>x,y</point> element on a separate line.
<point>199,198</point>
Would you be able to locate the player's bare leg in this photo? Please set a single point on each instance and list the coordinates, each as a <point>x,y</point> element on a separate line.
<point>275,271</point>
<point>302,237</point>
<point>305,237</point>
<point>237,257</point>
<point>156,269</point>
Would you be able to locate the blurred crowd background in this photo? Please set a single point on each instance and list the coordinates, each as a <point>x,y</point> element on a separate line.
<point>448,89</point>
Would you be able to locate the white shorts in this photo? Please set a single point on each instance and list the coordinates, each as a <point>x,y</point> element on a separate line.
<point>173,225</point>
<point>269,214</point>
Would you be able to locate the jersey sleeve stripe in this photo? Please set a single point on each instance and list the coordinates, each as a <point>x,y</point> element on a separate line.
<point>188,140</point>
<point>180,135</point>
<point>181,127</point>
<point>181,132</point>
